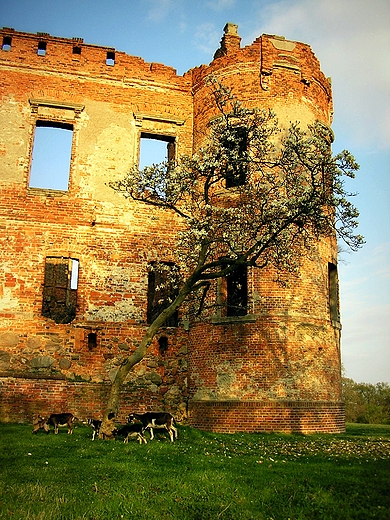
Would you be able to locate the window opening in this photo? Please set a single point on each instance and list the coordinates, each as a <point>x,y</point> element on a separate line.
<point>59,298</point>
<point>76,50</point>
<point>162,290</point>
<point>110,58</point>
<point>237,292</point>
<point>74,278</point>
<point>163,344</point>
<point>6,45</point>
<point>41,49</point>
<point>92,340</point>
<point>236,147</point>
<point>333,292</point>
<point>155,149</point>
<point>51,156</point>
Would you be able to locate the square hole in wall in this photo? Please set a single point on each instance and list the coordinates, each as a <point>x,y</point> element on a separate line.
<point>41,49</point>
<point>155,149</point>
<point>6,45</point>
<point>110,58</point>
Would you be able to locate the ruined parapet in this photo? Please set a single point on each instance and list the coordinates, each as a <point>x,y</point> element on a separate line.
<point>272,72</point>
<point>230,41</point>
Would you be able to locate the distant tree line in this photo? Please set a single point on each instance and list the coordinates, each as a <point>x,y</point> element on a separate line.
<point>365,402</point>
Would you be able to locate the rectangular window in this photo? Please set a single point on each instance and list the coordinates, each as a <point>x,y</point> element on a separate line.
<point>162,290</point>
<point>51,155</point>
<point>236,161</point>
<point>333,292</point>
<point>92,340</point>
<point>110,58</point>
<point>6,45</point>
<point>60,289</point>
<point>237,292</point>
<point>41,49</point>
<point>155,149</point>
<point>76,50</point>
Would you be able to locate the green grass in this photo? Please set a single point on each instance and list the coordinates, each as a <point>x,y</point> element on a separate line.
<point>202,476</point>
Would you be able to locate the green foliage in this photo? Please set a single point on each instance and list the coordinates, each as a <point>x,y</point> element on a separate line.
<point>366,403</point>
<point>202,476</point>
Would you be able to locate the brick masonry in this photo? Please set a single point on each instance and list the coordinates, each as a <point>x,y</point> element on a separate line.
<point>276,369</point>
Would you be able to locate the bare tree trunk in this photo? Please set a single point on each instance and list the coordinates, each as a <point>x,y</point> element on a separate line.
<point>139,353</point>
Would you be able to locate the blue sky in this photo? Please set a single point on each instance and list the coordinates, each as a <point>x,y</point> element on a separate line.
<point>351,38</point>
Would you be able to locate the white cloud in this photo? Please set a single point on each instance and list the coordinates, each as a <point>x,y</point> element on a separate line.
<point>220,5</point>
<point>206,38</point>
<point>352,40</point>
<point>159,9</point>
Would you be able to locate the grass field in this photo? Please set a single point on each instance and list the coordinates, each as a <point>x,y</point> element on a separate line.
<point>202,476</point>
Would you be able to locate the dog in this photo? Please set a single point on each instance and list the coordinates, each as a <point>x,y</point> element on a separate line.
<point>39,423</point>
<point>131,430</point>
<point>96,424</point>
<point>62,419</point>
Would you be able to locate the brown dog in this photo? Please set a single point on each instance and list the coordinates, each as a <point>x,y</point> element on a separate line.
<point>62,419</point>
<point>39,423</point>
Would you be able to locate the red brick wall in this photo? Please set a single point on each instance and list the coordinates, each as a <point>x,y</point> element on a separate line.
<point>278,416</point>
<point>287,352</point>
<point>22,397</point>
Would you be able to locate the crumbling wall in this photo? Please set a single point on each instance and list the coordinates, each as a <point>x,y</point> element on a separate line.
<point>283,354</point>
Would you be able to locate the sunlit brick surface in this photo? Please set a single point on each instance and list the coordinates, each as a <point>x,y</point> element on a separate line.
<point>278,370</point>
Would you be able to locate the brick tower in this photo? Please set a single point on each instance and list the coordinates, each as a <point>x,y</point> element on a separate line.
<point>75,292</point>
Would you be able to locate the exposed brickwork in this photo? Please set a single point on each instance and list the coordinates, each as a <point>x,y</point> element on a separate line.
<point>260,416</point>
<point>276,369</point>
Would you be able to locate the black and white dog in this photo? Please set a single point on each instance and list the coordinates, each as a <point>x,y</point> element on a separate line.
<point>132,430</point>
<point>155,420</point>
<point>96,425</point>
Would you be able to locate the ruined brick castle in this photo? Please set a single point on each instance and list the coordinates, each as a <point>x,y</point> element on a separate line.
<point>75,293</point>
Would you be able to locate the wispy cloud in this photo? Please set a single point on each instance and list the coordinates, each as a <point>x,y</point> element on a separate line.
<point>365,342</point>
<point>158,10</point>
<point>206,38</point>
<point>221,5</point>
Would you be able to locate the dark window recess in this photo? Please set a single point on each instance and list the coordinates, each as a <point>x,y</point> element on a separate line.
<point>163,344</point>
<point>333,292</point>
<point>110,58</point>
<point>6,45</point>
<point>92,340</point>
<point>60,289</point>
<point>161,292</point>
<point>236,169</point>
<point>237,292</point>
<point>41,49</point>
<point>76,50</point>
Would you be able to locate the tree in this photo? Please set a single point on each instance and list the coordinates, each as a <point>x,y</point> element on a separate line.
<point>253,195</point>
<point>365,402</point>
